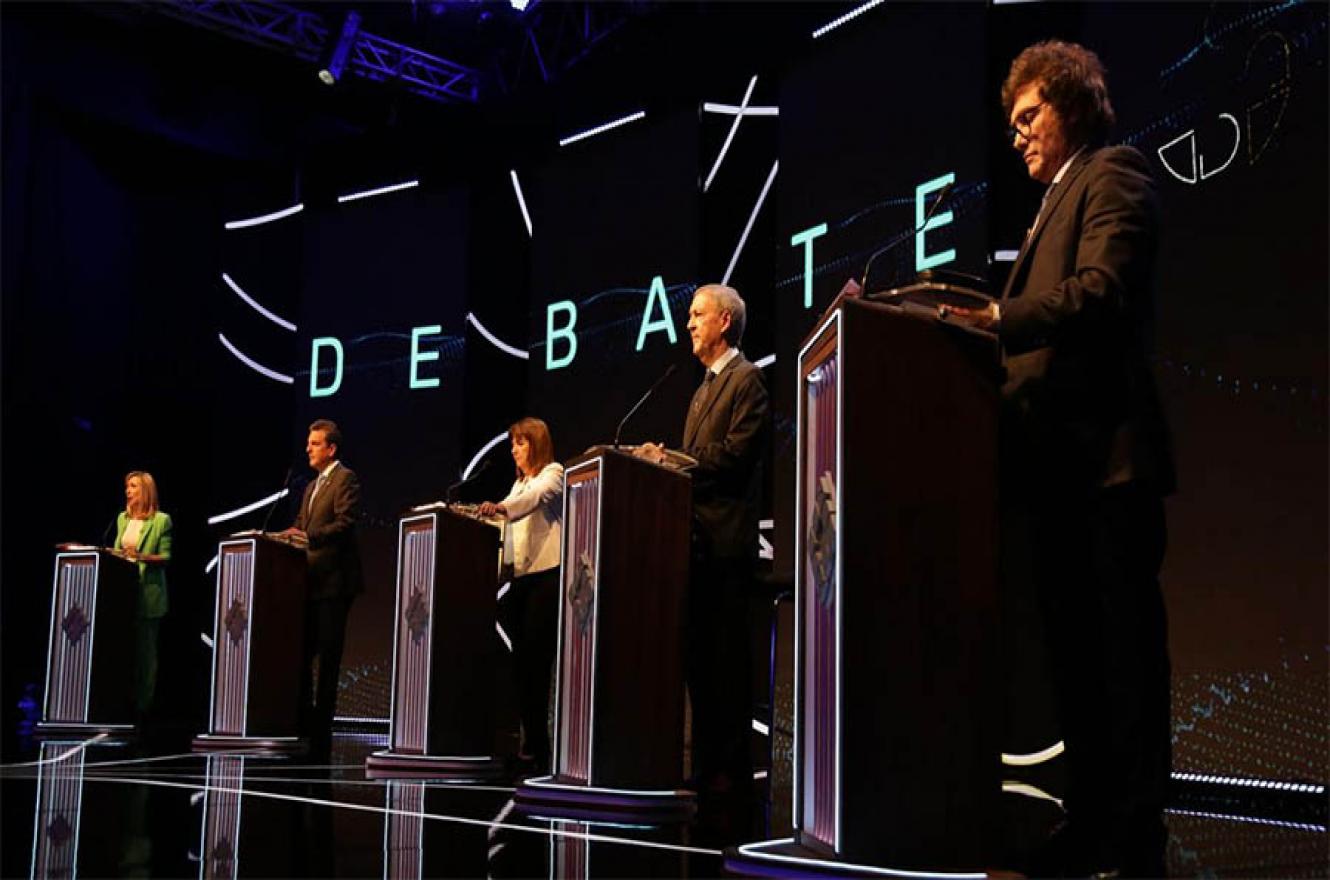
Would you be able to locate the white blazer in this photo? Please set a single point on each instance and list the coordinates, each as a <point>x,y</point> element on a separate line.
<point>535,521</point>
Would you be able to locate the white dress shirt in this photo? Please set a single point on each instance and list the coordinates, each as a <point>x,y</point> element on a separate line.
<point>535,521</point>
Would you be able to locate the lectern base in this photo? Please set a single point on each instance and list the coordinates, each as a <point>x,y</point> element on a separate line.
<point>67,729</point>
<point>388,764</point>
<point>785,858</point>
<point>548,796</point>
<point>263,745</point>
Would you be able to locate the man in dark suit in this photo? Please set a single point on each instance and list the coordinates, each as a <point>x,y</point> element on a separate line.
<point>725,430</point>
<point>327,520</point>
<point>1086,452</point>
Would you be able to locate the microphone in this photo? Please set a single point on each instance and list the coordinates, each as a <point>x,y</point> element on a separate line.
<point>290,472</point>
<point>928,215</point>
<point>108,534</point>
<point>452,490</point>
<point>669,371</point>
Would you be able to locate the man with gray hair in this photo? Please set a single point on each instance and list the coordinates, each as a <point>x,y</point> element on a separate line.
<point>726,429</point>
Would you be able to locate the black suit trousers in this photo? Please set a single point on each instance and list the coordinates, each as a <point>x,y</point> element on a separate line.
<point>719,673</point>
<point>1097,569</point>
<point>321,666</point>
<point>531,619</point>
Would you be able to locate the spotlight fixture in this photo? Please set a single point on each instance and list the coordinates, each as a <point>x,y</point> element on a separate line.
<point>333,62</point>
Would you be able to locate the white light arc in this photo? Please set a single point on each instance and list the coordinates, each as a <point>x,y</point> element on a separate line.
<point>265,218</point>
<point>496,341</point>
<point>601,129</point>
<point>752,218</point>
<point>734,127</point>
<point>248,508</point>
<point>276,319</point>
<point>253,364</point>
<point>475,460</point>
<point>378,191</point>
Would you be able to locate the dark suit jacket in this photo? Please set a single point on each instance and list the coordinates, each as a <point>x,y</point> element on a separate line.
<point>334,556</point>
<point>726,436</point>
<point>1081,405</point>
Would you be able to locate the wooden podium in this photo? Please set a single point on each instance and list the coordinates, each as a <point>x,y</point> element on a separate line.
<point>258,630</point>
<point>897,668</point>
<point>444,647</point>
<point>90,655</point>
<point>618,732</point>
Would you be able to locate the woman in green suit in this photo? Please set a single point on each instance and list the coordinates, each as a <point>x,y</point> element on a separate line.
<point>143,535</point>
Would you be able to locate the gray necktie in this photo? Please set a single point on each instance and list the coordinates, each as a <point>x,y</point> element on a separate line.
<point>700,396</point>
<point>318,485</point>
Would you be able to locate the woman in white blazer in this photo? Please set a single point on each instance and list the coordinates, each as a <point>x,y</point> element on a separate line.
<point>534,510</point>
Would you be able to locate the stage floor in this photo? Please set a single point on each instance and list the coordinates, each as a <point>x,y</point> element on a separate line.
<point>116,811</point>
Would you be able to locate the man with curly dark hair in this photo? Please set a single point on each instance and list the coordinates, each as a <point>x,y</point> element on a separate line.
<point>1086,454</point>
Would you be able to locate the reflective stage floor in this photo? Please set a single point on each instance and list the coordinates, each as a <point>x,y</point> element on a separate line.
<point>100,811</point>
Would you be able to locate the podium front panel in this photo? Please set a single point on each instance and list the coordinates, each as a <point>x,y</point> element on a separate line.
<point>233,616</point>
<point>69,656</point>
<point>818,590</point>
<point>55,834</point>
<point>413,631</point>
<point>580,575</point>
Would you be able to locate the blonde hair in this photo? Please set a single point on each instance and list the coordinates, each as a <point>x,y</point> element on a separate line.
<point>537,435</point>
<point>147,495</point>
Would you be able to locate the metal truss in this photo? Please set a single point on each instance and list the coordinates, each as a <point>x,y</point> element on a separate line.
<point>558,35</point>
<point>305,34</point>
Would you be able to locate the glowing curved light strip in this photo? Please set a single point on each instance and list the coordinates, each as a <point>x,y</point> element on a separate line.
<point>352,806</point>
<point>507,642</point>
<point>1248,782</point>
<point>279,321</point>
<point>212,563</point>
<point>378,191</point>
<point>253,364</point>
<point>601,129</point>
<point>206,639</point>
<point>503,591</point>
<point>734,127</point>
<point>1026,790</point>
<point>1033,758</point>
<point>481,454</point>
<point>1256,820</point>
<point>752,218</point>
<point>68,753</point>
<point>266,218</point>
<point>248,508</point>
<point>731,110</point>
<point>751,851</point>
<point>765,362</point>
<point>761,727</point>
<point>852,14</point>
<point>521,202</point>
<point>496,341</point>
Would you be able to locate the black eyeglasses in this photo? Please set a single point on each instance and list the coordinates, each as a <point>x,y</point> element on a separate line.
<point>1024,123</point>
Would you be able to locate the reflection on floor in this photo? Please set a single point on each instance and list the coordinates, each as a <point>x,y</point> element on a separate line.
<point>99,810</point>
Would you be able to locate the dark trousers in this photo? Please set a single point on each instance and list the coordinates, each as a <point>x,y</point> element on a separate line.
<point>1097,561</point>
<point>531,619</point>
<point>718,661</point>
<point>321,666</point>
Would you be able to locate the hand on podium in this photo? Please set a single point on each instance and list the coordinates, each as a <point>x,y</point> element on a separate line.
<point>652,452</point>
<point>983,319</point>
<point>490,508</point>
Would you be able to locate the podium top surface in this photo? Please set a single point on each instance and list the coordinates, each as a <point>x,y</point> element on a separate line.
<point>676,462</point>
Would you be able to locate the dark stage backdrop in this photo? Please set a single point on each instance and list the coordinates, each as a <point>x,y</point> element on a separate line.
<point>115,306</point>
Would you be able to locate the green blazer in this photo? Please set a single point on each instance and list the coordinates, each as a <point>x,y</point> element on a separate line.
<point>155,539</point>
